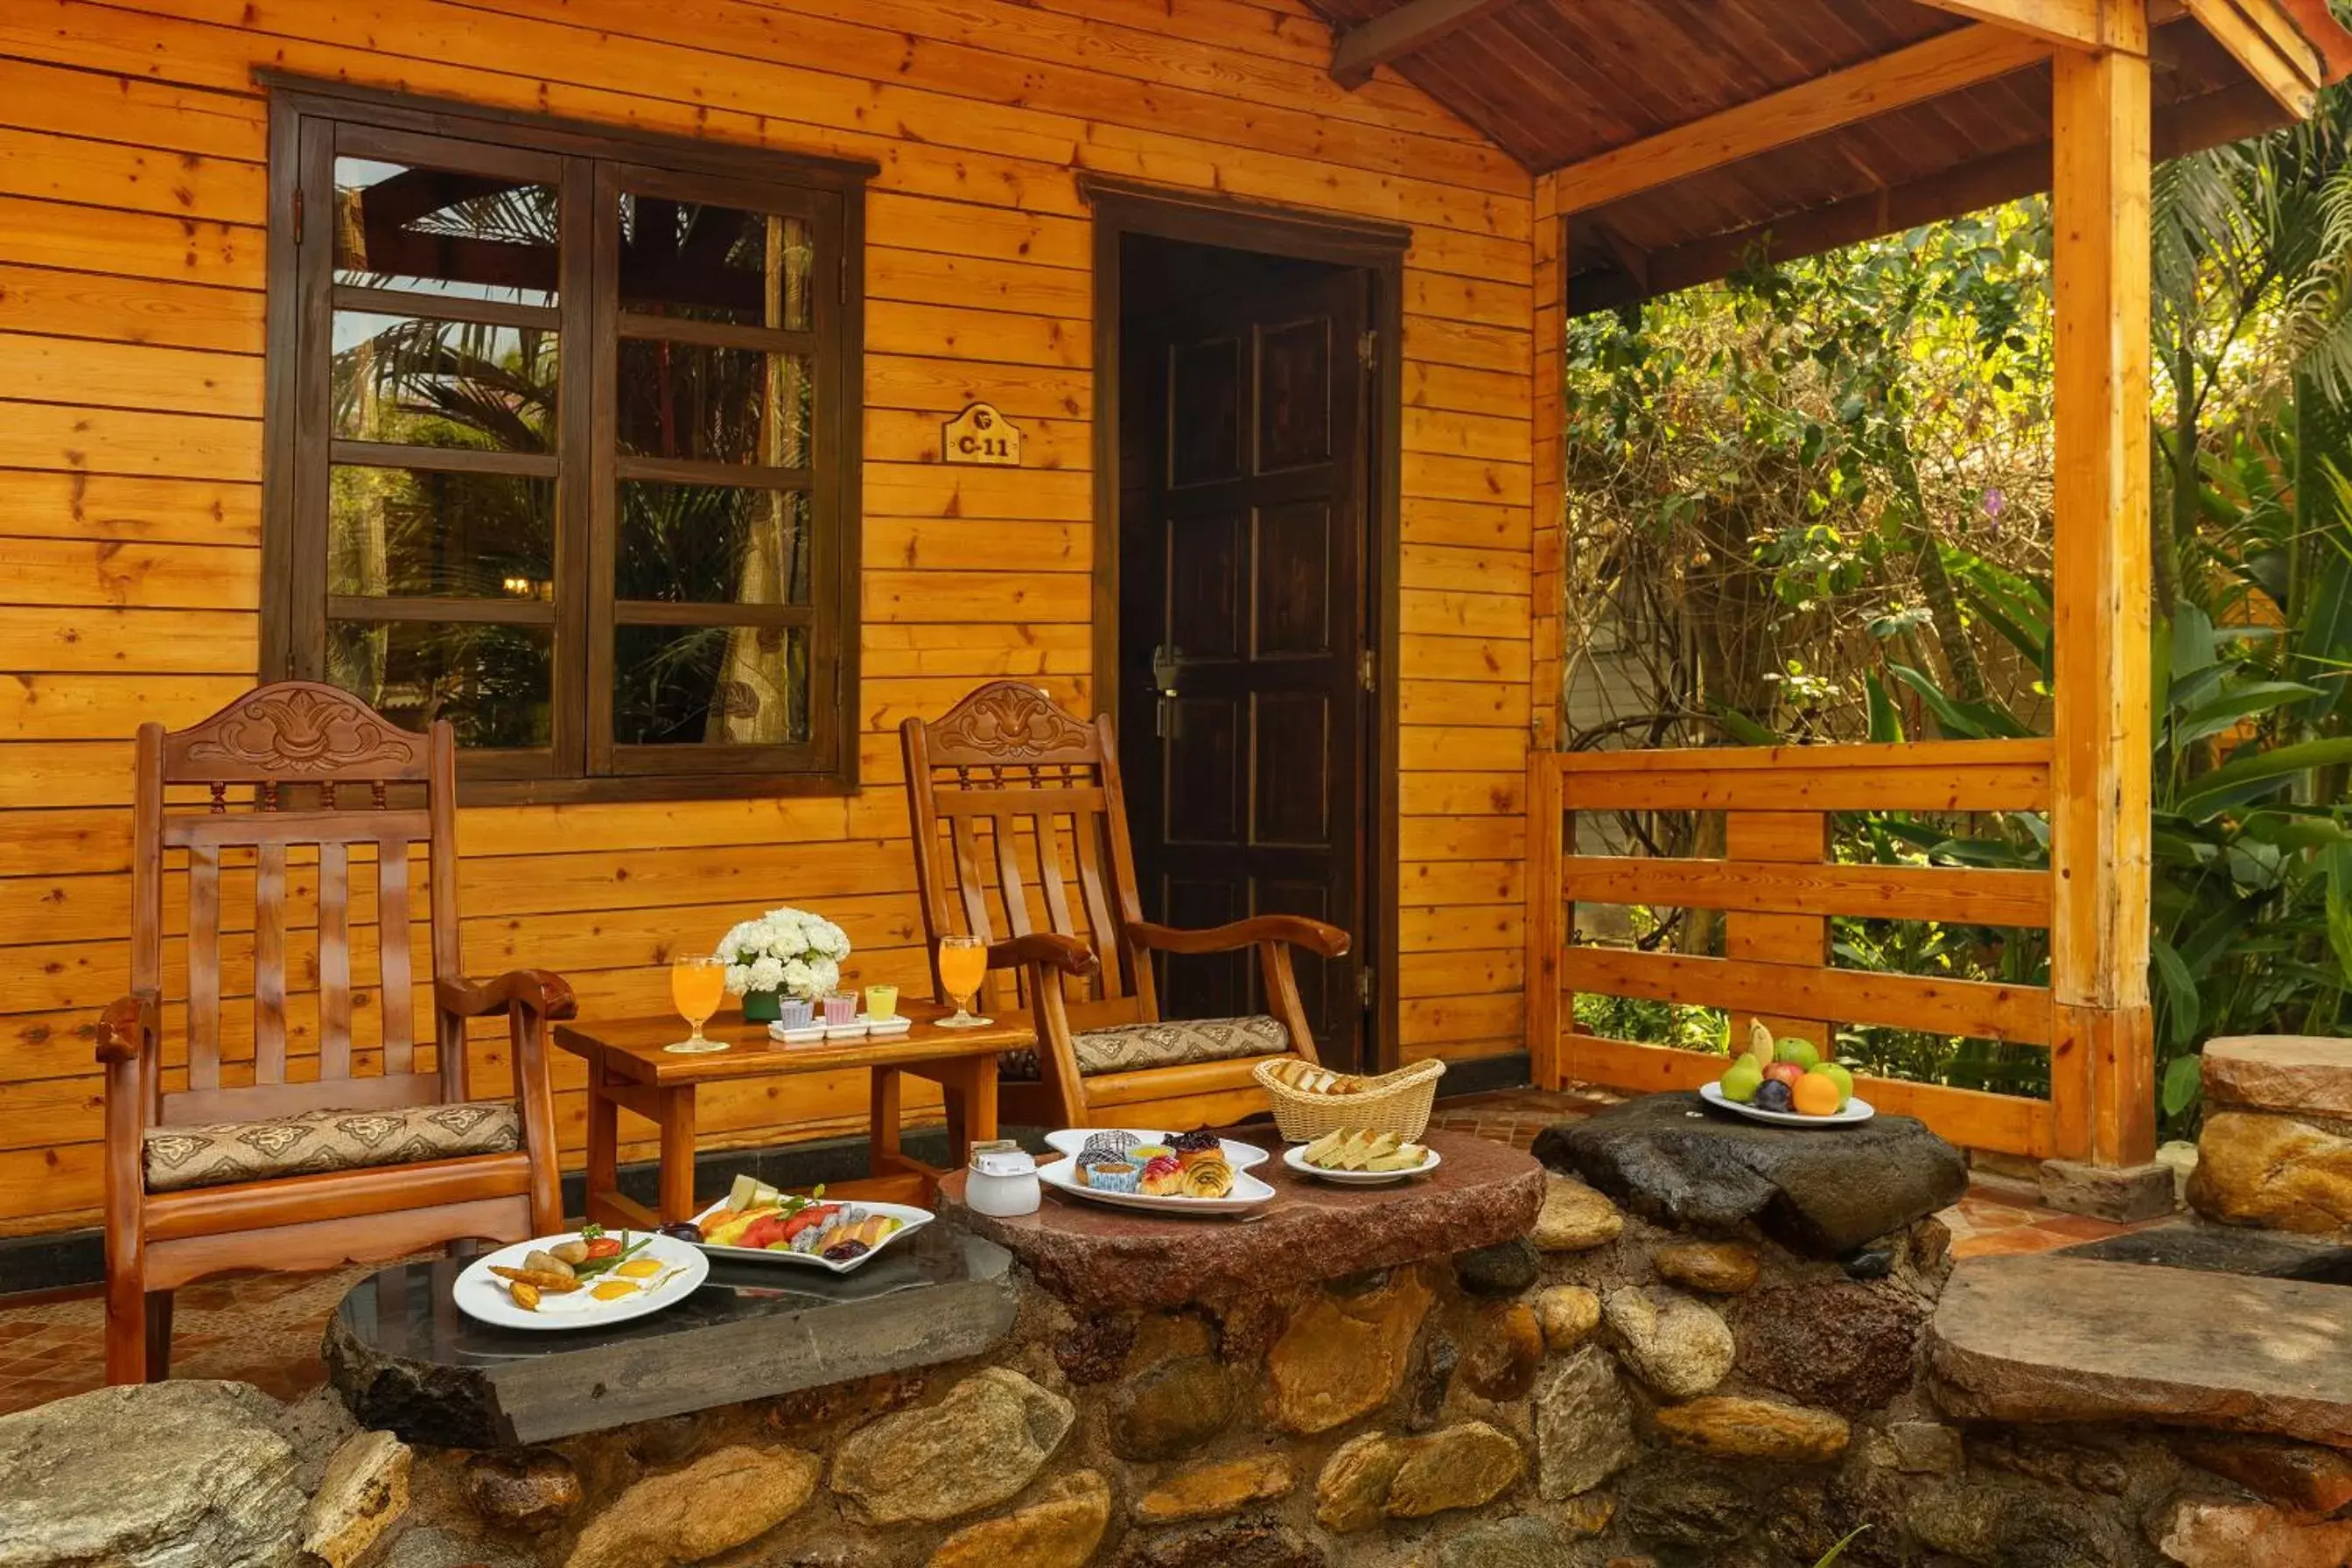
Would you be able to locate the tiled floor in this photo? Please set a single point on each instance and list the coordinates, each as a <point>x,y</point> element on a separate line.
<point>265,1328</point>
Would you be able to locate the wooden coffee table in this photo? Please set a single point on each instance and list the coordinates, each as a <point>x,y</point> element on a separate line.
<point>628,1069</point>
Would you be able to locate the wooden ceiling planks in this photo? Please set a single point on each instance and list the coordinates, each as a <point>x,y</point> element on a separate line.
<point>1558,82</point>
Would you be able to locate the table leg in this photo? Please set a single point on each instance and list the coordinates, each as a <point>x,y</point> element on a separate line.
<point>970,1092</point>
<point>603,1177</point>
<point>677,1153</point>
<point>882,1156</point>
<point>979,1113</point>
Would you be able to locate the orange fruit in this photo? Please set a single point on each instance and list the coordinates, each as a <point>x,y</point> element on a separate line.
<point>1816,1094</point>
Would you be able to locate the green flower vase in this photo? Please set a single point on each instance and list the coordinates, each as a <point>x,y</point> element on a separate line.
<point>762,1006</point>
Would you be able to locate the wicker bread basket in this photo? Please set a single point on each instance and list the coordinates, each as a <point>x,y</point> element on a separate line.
<point>1396,1102</point>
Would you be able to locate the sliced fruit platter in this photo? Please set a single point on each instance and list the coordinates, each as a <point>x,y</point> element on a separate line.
<point>582,1278</point>
<point>1357,1156</point>
<point>1787,1083</point>
<point>755,1220</point>
<point>1180,1172</point>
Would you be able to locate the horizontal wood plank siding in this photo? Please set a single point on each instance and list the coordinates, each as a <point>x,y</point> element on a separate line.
<point>132,229</point>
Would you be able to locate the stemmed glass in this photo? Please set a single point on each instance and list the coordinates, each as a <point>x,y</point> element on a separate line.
<point>697,984</point>
<point>963,965</point>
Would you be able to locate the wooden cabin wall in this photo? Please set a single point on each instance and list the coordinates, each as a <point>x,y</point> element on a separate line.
<point>132,238</point>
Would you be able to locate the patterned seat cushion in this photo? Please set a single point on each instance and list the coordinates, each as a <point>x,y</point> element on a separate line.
<point>1178,1042</point>
<point>317,1140</point>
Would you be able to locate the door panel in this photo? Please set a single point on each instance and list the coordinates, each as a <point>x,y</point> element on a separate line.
<point>1242,722</point>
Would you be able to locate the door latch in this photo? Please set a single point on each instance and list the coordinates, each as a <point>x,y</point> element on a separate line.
<point>1163,685</point>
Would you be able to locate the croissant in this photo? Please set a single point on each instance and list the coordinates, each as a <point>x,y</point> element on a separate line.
<point>1208,1177</point>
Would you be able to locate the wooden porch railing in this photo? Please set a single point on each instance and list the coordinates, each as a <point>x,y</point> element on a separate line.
<point>1777,887</point>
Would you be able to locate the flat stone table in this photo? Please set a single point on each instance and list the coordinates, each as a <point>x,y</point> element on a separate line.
<point>1096,1255</point>
<point>404,1356</point>
<point>1820,1191</point>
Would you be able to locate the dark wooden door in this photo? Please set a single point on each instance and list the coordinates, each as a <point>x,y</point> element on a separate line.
<point>1242,593</point>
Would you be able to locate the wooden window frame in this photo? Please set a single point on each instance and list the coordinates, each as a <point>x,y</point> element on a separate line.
<point>310,123</point>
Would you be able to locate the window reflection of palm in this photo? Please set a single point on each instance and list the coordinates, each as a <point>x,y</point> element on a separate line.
<point>963,965</point>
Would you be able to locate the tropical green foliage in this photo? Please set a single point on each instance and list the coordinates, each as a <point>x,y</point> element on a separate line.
<point>1813,504</point>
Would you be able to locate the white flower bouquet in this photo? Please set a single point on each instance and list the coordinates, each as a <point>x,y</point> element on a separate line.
<point>785,952</point>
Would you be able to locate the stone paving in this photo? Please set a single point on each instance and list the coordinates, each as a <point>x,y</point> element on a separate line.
<point>265,1328</point>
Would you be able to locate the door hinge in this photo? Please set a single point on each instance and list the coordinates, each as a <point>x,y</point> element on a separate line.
<point>1366,991</point>
<point>1368,349</point>
<point>1368,671</point>
<point>297,215</point>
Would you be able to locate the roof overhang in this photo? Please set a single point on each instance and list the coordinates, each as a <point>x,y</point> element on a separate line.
<point>1801,125</point>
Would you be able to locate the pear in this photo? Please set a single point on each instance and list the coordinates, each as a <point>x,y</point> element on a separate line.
<point>1741,1081</point>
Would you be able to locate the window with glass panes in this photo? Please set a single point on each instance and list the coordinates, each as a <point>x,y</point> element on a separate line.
<point>563,432</point>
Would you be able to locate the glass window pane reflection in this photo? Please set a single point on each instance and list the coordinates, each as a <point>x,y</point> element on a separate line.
<point>712,544</point>
<point>411,531</point>
<point>441,231</point>
<point>711,685</point>
<point>491,682</point>
<point>423,383</point>
<point>703,263</point>
<point>715,404</point>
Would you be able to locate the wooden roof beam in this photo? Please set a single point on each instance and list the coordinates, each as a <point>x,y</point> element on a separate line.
<point>2273,52</point>
<point>1924,71</point>
<point>2076,24</point>
<point>1389,37</point>
<point>2228,115</point>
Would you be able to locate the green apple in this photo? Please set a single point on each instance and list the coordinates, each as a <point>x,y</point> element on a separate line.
<point>1837,1074</point>
<point>1740,1082</point>
<point>1801,1052</point>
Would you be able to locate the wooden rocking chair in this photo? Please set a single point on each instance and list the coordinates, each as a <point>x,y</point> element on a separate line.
<point>279,1173</point>
<point>1016,782</point>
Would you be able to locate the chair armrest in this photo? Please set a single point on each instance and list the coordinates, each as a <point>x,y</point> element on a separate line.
<point>548,994</point>
<point>128,1026</point>
<point>1329,941</point>
<point>1068,953</point>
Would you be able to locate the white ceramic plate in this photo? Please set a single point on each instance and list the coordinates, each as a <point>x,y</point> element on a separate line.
<point>1247,1194</point>
<point>1070,1140</point>
<point>1856,1109</point>
<point>482,1294</point>
<point>1294,1157</point>
<point>915,1220</point>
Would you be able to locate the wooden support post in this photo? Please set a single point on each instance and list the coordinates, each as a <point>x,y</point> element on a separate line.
<point>1547,926</point>
<point>1548,1014</point>
<point>1781,838</point>
<point>2101,1066</point>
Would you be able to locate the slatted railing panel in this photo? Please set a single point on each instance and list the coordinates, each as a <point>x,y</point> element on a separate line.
<point>1776,889</point>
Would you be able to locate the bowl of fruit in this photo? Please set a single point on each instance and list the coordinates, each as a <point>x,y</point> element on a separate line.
<point>1787,1083</point>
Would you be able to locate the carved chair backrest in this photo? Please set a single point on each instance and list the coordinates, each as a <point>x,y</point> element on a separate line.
<point>1020,825</point>
<point>298,783</point>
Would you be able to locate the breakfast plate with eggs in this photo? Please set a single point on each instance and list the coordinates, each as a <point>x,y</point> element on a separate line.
<point>584,1278</point>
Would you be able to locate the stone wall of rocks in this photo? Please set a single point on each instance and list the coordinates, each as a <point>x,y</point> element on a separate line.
<point>1609,1393</point>
<point>2276,1148</point>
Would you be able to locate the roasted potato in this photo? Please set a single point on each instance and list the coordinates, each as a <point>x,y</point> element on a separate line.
<point>525,1296</point>
<point>548,1263</point>
<point>553,1284</point>
<point>575,1251</point>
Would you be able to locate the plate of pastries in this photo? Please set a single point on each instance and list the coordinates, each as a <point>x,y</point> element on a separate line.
<point>1162,1172</point>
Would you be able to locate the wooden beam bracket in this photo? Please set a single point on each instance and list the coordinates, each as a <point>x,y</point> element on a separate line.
<point>1389,37</point>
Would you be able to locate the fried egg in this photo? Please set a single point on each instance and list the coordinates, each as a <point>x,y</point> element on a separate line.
<point>640,1268</point>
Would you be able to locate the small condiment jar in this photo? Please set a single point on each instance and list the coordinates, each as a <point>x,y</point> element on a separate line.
<point>1003,1182</point>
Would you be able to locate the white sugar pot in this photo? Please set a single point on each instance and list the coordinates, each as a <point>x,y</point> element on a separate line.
<point>1004,1180</point>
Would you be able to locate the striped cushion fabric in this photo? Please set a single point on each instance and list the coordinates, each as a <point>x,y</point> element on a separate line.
<point>223,1151</point>
<point>1177,1042</point>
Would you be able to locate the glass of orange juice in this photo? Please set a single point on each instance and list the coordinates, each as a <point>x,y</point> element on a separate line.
<point>697,984</point>
<point>963,964</point>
